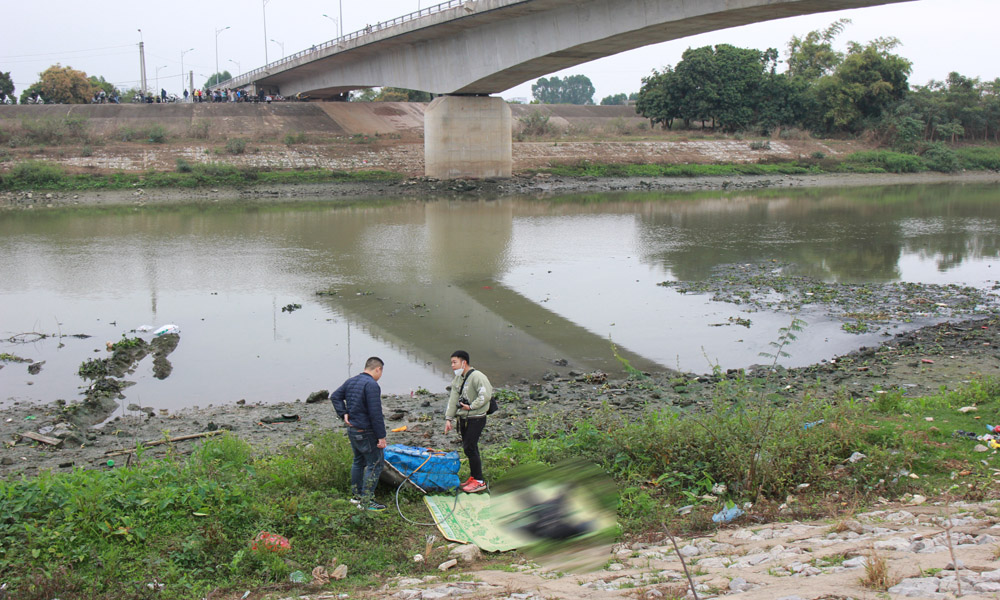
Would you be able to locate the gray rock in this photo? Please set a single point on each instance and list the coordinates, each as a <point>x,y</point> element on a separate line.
<point>689,550</point>
<point>738,585</point>
<point>856,562</point>
<point>987,587</point>
<point>916,586</point>
<point>466,553</point>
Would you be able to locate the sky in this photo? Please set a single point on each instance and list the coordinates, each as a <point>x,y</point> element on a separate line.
<point>102,38</point>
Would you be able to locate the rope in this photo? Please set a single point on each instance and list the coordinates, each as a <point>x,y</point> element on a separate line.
<point>407,478</point>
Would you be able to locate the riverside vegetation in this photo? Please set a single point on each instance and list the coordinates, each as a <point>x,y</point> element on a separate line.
<point>183,526</point>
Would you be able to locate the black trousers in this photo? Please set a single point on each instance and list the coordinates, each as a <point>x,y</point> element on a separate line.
<point>471,430</point>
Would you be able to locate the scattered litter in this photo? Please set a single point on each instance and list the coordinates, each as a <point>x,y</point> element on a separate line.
<point>280,419</point>
<point>966,409</point>
<point>727,514</point>
<point>167,329</point>
<point>685,509</point>
<point>856,457</point>
<point>813,424</point>
<point>399,429</point>
<point>929,419</point>
<point>299,577</point>
<point>927,361</point>
<point>143,328</point>
<point>270,542</point>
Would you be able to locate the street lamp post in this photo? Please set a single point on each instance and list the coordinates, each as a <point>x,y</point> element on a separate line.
<point>142,65</point>
<point>336,24</point>
<point>237,63</point>
<point>282,47</point>
<point>217,32</point>
<point>264,9</point>
<point>158,78</point>
<point>183,87</point>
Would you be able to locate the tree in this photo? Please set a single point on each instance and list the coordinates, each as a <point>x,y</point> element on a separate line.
<point>99,83</point>
<point>391,94</point>
<point>735,88</point>
<point>364,95</point>
<point>61,85</point>
<point>863,87</point>
<point>574,89</point>
<point>216,78</point>
<point>6,86</point>
<point>614,100</point>
<point>812,56</point>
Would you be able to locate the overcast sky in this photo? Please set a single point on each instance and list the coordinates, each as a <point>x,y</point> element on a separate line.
<point>101,38</point>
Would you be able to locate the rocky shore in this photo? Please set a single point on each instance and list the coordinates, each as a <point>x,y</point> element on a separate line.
<point>918,362</point>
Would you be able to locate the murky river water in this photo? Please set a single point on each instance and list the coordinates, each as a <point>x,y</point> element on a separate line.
<point>518,283</point>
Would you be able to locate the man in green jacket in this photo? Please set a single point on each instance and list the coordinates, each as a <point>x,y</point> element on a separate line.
<point>469,400</point>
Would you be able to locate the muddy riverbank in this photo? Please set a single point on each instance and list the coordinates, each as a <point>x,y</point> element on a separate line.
<point>423,188</point>
<point>919,362</point>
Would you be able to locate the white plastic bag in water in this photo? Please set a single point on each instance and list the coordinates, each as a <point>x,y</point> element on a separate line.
<point>167,329</point>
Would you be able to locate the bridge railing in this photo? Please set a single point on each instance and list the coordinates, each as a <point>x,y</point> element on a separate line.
<point>245,78</point>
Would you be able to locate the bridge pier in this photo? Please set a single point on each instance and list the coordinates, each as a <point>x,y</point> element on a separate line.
<point>467,137</point>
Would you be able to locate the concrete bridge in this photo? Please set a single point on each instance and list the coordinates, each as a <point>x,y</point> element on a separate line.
<point>467,50</point>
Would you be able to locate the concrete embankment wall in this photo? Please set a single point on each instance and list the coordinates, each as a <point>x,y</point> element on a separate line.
<point>261,121</point>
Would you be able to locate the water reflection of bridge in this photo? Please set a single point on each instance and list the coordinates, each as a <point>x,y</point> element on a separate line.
<point>427,280</point>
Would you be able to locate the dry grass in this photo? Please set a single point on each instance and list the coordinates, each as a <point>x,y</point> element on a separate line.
<point>877,574</point>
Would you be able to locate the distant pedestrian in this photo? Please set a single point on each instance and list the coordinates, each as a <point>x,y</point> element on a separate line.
<point>358,401</point>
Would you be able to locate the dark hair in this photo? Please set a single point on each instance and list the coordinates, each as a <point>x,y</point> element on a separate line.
<point>373,363</point>
<point>461,355</point>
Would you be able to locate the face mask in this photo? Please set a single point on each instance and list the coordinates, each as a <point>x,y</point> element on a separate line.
<point>458,372</point>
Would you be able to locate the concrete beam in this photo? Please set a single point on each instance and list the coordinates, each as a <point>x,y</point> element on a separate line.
<point>488,46</point>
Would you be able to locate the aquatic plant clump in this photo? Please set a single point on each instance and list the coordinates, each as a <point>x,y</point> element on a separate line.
<point>864,307</point>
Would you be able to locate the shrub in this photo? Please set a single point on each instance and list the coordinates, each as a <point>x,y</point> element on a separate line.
<point>236,145</point>
<point>535,124</point>
<point>157,134</point>
<point>893,162</point>
<point>198,130</point>
<point>760,145</point>
<point>183,166</point>
<point>979,157</point>
<point>36,172</point>
<point>939,157</point>
<point>295,138</point>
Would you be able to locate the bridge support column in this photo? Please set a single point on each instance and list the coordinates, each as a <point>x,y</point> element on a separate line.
<point>467,137</point>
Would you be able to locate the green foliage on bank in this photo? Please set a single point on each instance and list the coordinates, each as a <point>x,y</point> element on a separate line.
<point>188,523</point>
<point>43,175</point>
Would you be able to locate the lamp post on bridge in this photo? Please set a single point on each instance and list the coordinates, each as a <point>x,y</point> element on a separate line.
<point>336,24</point>
<point>183,87</point>
<point>282,47</point>
<point>217,32</point>
<point>238,68</point>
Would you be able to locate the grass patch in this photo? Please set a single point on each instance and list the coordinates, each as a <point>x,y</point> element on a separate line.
<point>589,169</point>
<point>189,522</point>
<point>31,175</point>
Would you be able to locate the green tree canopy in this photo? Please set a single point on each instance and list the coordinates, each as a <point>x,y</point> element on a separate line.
<point>61,85</point>
<point>730,87</point>
<point>216,78</point>
<point>869,80</point>
<point>812,56</point>
<point>614,100</point>
<point>6,85</point>
<point>99,83</point>
<point>574,89</point>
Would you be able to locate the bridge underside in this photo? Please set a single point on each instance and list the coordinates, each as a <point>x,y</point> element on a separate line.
<point>484,47</point>
<point>504,43</point>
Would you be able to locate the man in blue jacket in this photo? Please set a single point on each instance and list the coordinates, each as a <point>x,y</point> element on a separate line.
<point>359,403</point>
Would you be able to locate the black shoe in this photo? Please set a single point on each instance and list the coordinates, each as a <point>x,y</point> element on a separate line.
<point>375,506</point>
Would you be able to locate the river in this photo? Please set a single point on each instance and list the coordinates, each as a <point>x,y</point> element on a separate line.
<point>521,284</point>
